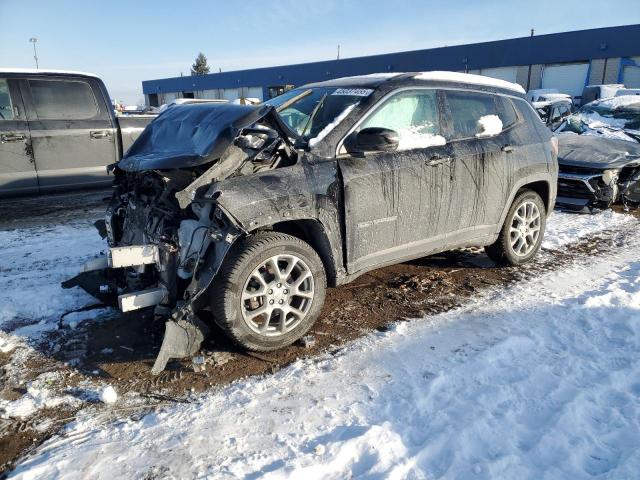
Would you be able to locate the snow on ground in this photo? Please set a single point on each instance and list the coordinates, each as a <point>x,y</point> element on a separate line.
<point>540,380</point>
<point>38,396</point>
<point>564,228</point>
<point>33,262</point>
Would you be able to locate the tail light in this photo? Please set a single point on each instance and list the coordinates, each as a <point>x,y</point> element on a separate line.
<point>554,146</point>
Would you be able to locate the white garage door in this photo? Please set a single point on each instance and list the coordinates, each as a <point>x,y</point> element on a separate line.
<point>255,92</point>
<point>503,73</point>
<point>230,94</point>
<point>169,97</point>
<point>214,94</point>
<point>567,78</point>
<point>631,74</point>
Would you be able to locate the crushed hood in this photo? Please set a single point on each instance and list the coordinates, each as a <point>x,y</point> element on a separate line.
<point>187,136</point>
<point>590,151</point>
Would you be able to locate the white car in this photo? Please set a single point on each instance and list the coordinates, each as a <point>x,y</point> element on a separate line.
<point>547,95</point>
<point>184,101</point>
<point>628,91</point>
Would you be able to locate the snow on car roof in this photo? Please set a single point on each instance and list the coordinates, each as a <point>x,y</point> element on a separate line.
<point>469,78</point>
<point>617,102</point>
<point>370,80</point>
<point>552,101</point>
<point>45,71</point>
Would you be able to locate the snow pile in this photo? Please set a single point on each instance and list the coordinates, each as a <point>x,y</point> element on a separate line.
<point>109,395</point>
<point>327,130</point>
<point>7,343</point>
<point>508,387</point>
<point>564,228</point>
<point>469,78</point>
<point>39,395</point>
<point>490,125</point>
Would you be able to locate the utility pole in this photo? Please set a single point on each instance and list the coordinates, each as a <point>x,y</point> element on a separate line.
<point>34,40</point>
<point>338,52</point>
<point>529,72</point>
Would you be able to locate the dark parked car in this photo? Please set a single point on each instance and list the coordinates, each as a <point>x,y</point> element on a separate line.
<point>599,155</point>
<point>58,131</point>
<point>252,211</point>
<point>553,112</point>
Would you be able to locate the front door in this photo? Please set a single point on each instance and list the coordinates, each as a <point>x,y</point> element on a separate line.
<point>395,201</point>
<point>72,131</point>
<point>17,168</point>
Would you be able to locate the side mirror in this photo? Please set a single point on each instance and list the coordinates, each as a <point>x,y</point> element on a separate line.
<point>373,139</point>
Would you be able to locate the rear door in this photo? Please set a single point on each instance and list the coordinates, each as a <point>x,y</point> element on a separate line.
<point>395,202</point>
<point>17,168</point>
<point>72,131</point>
<point>481,147</point>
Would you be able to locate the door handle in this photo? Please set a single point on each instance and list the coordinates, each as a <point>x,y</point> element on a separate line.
<point>100,134</point>
<point>437,160</point>
<point>507,148</point>
<point>12,137</point>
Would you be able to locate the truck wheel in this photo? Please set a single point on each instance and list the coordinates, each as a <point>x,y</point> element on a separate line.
<point>522,231</point>
<point>269,291</point>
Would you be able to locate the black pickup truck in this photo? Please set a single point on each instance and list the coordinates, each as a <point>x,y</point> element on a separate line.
<point>58,131</point>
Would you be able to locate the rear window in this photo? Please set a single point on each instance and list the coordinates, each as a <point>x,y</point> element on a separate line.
<point>63,99</point>
<point>506,112</point>
<point>466,109</point>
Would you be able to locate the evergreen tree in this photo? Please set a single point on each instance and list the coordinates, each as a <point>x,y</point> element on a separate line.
<point>200,66</point>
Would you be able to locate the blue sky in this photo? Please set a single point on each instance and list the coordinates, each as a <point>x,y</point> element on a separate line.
<point>126,42</point>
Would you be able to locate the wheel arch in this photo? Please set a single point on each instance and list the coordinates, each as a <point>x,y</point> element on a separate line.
<point>313,232</point>
<point>541,184</point>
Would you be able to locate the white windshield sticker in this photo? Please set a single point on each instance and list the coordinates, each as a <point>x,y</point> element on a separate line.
<point>354,92</point>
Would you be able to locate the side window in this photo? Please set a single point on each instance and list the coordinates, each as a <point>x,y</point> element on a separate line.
<point>63,99</point>
<point>413,115</point>
<point>6,108</point>
<point>473,114</point>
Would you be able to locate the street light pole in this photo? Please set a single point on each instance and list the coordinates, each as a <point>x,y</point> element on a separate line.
<point>34,40</point>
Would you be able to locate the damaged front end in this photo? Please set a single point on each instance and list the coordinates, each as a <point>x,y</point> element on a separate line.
<point>596,172</point>
<point>167,240</point>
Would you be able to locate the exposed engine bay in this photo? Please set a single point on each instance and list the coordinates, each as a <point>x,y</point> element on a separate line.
<point>160,225</point>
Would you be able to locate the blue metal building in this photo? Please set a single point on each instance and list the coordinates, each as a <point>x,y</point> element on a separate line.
<point>567,61</point>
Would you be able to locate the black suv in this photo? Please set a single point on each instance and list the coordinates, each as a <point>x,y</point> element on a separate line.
<point>251,211</point>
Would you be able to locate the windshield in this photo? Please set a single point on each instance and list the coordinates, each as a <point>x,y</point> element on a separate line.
<point>606,117</point>
<point>311,111</point>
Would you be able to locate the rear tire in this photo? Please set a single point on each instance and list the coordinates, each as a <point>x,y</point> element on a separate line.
<point>522,231</point>
<point>262,308</point>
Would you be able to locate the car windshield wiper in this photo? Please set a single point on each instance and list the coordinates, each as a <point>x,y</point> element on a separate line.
<point>313,114</point>
<point>293,100</point>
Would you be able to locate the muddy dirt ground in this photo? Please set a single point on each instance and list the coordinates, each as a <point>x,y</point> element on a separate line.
<point>120,351</point>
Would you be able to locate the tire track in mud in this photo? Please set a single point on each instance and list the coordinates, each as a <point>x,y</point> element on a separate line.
<point>120,350</point>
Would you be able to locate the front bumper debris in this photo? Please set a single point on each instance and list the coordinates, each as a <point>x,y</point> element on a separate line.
<point>584,192</point>
<point>133,256</point>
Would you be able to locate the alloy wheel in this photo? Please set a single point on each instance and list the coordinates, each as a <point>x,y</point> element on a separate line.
<point>277,295</point>
<point>525,229</point>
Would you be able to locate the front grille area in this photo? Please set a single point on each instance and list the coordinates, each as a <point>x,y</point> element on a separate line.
<point>574,189</point>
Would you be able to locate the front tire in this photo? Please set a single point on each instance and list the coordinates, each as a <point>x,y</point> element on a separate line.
<point>269,291</point>
<point>522,232</point>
